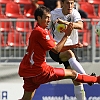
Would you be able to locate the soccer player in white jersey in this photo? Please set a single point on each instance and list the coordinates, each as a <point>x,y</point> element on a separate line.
<point>65,15</point>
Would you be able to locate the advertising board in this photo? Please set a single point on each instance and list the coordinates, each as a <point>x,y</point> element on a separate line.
<point>12,91</point>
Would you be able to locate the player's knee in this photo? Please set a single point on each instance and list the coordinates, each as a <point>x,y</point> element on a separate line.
<point>70,54</point>
<point>69,73</point>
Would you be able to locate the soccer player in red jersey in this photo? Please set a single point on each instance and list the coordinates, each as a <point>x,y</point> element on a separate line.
<point>33,67</point>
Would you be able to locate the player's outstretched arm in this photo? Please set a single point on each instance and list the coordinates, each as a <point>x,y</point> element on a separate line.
<point>76,25</point>
<point>60,45</point>
<point>78,45</point>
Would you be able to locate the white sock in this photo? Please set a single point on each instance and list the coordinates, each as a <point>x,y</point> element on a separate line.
<point>79,92</point>
<point>76,65</point>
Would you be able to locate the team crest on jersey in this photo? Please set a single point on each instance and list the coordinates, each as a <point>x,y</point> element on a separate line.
<point>47,37</point>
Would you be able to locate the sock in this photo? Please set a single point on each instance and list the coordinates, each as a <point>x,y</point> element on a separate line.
<point>87,79</point>
<point>76,65</point>
<point>79,92</point>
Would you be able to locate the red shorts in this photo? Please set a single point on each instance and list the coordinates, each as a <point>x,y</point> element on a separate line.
<point>50,74</point>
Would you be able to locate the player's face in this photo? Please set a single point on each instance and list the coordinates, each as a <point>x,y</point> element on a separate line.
<point>44,21</point>
<point>68,5</point>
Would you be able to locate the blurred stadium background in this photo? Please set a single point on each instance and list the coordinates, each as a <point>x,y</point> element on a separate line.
<point>15,27</point>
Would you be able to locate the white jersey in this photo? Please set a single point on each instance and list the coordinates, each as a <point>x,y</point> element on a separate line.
<point>73,17</point>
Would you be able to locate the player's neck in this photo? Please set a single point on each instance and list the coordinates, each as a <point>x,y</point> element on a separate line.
<point>41,26</point>
<point>64,11</point>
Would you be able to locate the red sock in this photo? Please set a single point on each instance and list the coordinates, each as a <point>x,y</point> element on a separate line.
<point>87,79</point>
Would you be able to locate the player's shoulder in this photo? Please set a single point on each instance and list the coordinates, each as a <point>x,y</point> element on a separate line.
<point>38,29</point>
<point>74,11</point>
<point>56,11</point>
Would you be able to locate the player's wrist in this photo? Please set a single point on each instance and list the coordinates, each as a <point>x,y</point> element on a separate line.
<point>66,35</point>
<point>66,23</point>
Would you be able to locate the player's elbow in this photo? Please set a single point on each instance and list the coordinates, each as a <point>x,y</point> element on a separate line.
<point>81,27</point>
<point>55,50</point>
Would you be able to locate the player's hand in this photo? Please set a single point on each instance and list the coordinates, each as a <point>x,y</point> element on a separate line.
<point>79,45</point>
<point>69,29</point>
<point>60,21</point>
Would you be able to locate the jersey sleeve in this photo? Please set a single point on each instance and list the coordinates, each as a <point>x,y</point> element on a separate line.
<point>46,40</point>
<point>55,14</point>
<point>77,16</point>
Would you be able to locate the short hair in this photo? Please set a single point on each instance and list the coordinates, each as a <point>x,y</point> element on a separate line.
<point>40,11</point>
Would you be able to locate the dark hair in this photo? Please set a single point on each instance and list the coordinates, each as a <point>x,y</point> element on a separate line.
<point>40,11</point>
<point>51,4</point>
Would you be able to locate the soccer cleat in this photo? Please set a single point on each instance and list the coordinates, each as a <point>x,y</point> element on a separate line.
<point>93,74</point>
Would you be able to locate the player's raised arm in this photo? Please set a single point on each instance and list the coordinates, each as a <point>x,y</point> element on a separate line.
<point>78,45</point>
<point>60,45</point>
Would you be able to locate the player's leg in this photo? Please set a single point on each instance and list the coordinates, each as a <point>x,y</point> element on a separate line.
<point>62,73</point>
<point>53,74</point>
<point>72,74</point>
<point>27,95</point>
<point>70,57</point>
<point>78,86</point>
<point>78,89</point>
<point>29,88</point>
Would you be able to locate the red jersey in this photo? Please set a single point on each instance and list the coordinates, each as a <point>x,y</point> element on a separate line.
<point>34,61</point>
